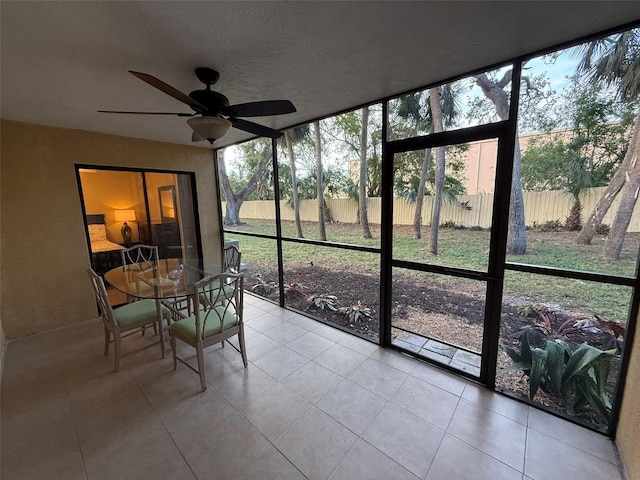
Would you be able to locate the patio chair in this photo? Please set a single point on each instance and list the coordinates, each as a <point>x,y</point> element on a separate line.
<point>220,318</point>
<point>139,258</point>
<point>231,259</point>
<point>131,316</point>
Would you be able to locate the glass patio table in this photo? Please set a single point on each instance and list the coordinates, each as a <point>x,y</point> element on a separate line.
<point>168,282</point>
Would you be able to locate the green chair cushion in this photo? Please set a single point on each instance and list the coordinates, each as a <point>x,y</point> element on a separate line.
<point>137,312</point>
<point>187,326</point>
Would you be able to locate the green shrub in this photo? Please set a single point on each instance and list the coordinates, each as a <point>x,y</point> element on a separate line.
<point>550,226</point>
<point>448,224</point>
<point>577,379</point>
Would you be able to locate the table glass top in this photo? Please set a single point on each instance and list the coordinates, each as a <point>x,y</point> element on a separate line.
<point>168,279</point>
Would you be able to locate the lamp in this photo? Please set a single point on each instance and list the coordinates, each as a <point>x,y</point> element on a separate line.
<point>123,216</point>
<point>211,128</point>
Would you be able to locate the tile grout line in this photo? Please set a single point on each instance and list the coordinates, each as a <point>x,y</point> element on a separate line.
<point>71,410</point>
<point>526,445</point>
<point>164,427</point>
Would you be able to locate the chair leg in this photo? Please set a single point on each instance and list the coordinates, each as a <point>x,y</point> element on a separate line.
<point>107,340</point>
<point>243,350</point>
<point>173,348</point>
<point>116,340</point>
<point>203,381</point>
<point>159,320</point>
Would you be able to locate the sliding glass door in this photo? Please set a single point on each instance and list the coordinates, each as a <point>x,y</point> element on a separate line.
<point>123,208</point>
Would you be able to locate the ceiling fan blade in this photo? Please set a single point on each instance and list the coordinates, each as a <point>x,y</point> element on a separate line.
<point>169,90</point>
<point>261,109</point>
<point>149,113</point>
<point>196,138</point>
<point>251,127</point>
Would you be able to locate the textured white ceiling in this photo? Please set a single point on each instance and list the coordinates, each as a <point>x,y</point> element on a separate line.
<point>63,61</point>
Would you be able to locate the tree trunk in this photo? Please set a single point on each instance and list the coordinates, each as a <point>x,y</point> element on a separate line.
<point>320,183</point>
<point>364,218</point>
<point>328,218</point>
<point>294,184</point>
<point>615,185</point>
<point>436,114</point>
<point>417,219</point>
<point>235,199</point>
<point>573,222</point>
<point>629,196</point>
<point>628,199</point>
<point>232,212</point>
<point>517,235</point>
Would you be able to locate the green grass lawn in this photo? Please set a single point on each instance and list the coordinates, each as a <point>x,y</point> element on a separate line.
<point>468,249</point>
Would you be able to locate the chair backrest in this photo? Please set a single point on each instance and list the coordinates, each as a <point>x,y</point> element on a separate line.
<point>145,255</point>
<point>106,310</point>
<point>231,259</point>
<point>221,298</point>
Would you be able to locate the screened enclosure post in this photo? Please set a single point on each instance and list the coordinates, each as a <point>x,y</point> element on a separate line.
<point>499,232</point>
<point>276,194</point>
<point>386,254</point>
<point>216,178</point>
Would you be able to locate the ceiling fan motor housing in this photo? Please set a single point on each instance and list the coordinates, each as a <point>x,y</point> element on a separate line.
<point>214,102</point>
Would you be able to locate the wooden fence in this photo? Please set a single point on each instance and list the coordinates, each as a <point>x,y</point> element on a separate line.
<point>540,207</point>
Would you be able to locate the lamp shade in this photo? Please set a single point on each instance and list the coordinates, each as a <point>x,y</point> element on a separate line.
<point>211,128</point>
<point>125,215</point>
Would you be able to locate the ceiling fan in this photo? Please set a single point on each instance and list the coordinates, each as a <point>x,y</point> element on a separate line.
<point>213,115</point>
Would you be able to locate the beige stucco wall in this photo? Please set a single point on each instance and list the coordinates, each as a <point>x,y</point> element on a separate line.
<point>628,434</point>
<point>44,251</point>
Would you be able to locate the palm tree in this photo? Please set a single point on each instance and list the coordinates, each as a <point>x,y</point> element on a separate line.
<point>417,218</point>
<point>292,136</point>
<point>319,182</point>
<point>409,108</point>
<point>615,61</point>
<point>364,218</point>
<point>436,115</point>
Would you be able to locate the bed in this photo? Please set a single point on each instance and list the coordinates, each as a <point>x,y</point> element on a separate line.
<point>105,253</point>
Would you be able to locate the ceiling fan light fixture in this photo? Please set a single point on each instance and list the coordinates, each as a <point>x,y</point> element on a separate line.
<point>211,128</point>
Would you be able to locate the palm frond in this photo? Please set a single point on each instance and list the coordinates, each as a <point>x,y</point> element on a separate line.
<point>615,61</point>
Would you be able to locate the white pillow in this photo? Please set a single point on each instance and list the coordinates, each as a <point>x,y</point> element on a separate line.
<point>97,232</point>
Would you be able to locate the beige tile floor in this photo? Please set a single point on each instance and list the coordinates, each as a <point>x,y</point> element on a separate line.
<point>314,403</point>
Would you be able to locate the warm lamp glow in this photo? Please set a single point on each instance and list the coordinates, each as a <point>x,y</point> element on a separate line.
<point>210,128</point>
<point>125,215</point>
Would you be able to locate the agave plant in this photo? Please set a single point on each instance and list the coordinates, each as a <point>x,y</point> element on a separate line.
<point>323,301</point>
<point>576,378</point>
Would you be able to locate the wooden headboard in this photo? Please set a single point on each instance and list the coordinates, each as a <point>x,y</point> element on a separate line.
<point>97,218</point>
